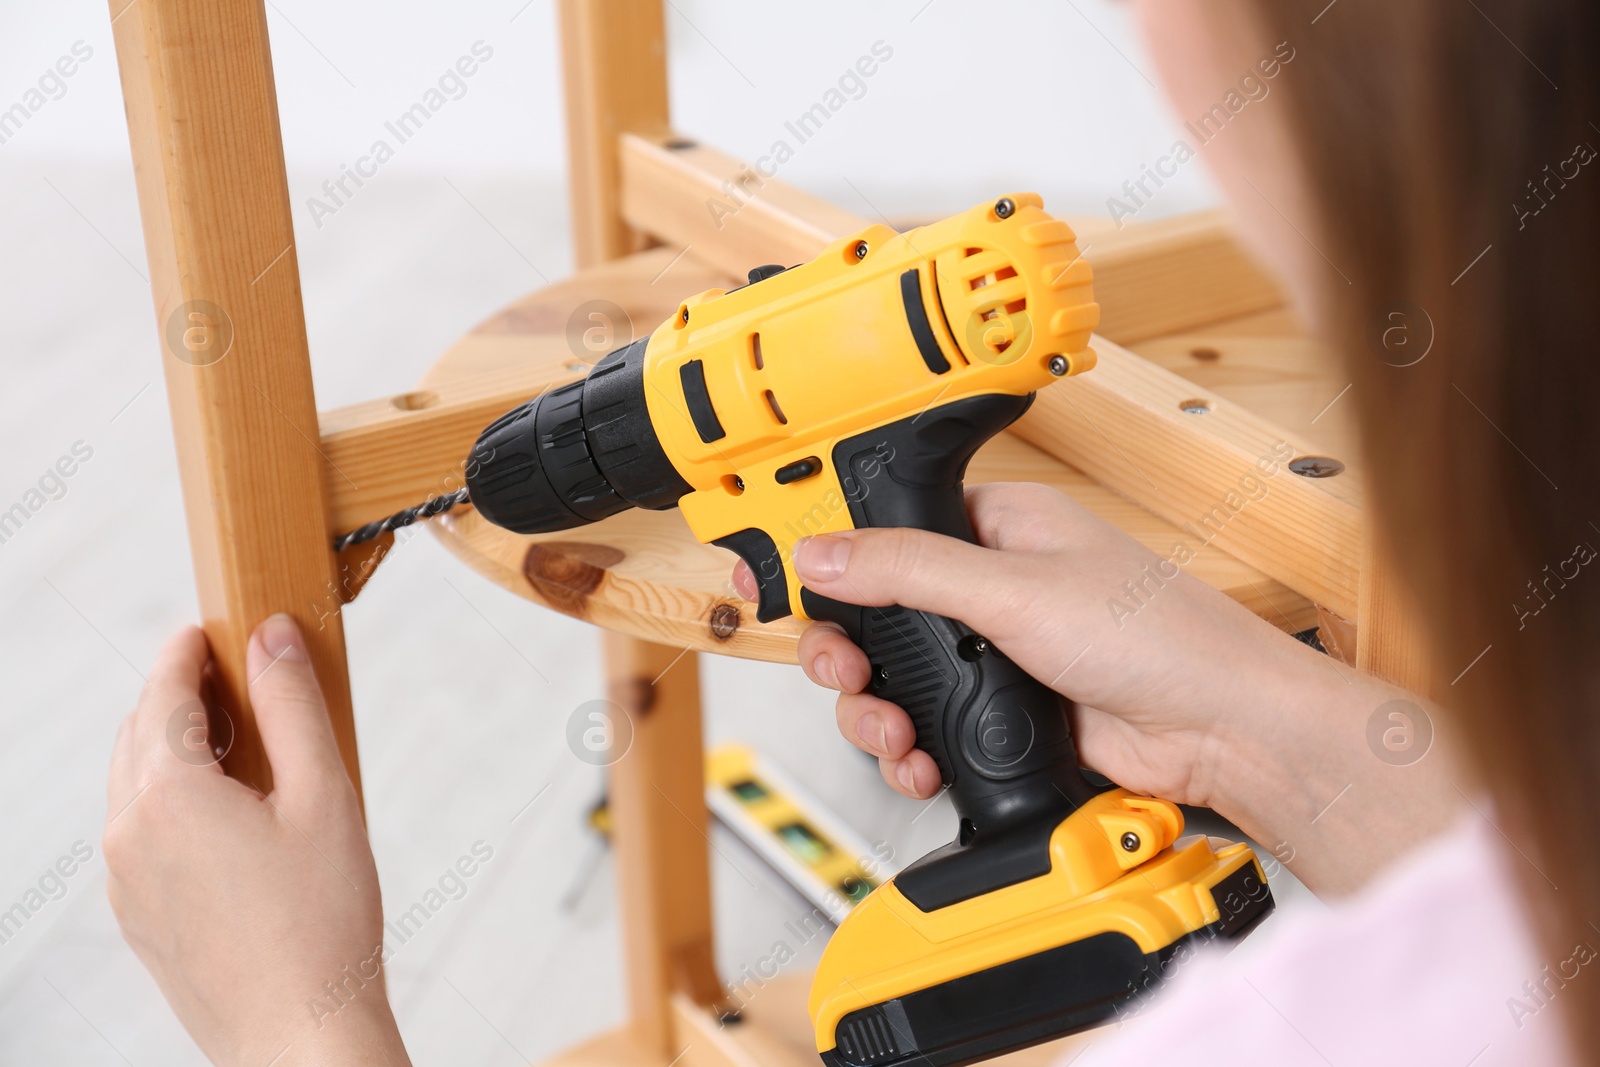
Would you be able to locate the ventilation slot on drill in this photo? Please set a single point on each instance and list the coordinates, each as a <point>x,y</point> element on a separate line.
<point>989,279</point>
<point>755,351</point>
<point>777,412</point>
<point>865,1038</point>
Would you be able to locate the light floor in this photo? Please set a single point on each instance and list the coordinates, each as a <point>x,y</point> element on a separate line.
<point>457,731</point>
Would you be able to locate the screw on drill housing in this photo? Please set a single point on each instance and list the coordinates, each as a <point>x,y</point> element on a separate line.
<point>1004,208</point>
<point>1059,365</point>
<point>861,250</point>
<point>1130,841</point>
<point>972,647</point>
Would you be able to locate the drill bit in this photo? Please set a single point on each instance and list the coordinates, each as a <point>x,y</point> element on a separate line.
<point>427,510</point>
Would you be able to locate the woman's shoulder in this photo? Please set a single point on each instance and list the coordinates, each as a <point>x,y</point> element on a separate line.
<point>1434,962</point>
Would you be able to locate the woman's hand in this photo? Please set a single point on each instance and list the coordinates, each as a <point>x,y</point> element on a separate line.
<point>1180,692</point>
<point>258,916</point>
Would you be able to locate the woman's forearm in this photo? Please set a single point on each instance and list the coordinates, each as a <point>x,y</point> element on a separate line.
<point>362,1036</point>
<point>1337,773</point>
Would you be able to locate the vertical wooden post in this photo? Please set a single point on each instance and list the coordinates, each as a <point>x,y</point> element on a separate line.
<point>659,827</point>
<point>208,157</point>
<point>1389,642</point>
<point>614,60</point>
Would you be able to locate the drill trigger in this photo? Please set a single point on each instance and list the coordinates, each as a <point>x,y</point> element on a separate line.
<point>756,547</point>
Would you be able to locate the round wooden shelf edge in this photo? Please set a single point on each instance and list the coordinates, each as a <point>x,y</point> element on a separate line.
<point>641,572</point>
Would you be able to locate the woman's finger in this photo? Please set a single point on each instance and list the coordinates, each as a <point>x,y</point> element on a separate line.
<point>744,581</point>
<point>1021,516</point>
<point>915,569</point>
<point>831,659</point>
<point>875,726</point>
<point>171,692</point>
<point>290,712</point>
<point>915,776</point>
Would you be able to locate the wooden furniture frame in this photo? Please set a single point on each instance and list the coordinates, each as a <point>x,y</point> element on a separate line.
<point>267,480</point>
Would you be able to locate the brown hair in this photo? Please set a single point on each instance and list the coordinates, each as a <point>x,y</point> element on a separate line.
<point>1450,150</point>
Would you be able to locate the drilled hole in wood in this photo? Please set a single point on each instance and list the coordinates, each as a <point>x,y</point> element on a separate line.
<point>1195,407</point>
<point>414,401</point>
<point>1205,355</point>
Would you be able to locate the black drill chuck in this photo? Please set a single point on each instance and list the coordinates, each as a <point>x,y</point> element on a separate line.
<point>576,454</point>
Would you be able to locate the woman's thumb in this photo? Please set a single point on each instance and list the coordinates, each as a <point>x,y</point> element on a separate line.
<point>913,568</point>
<point>290,711</point>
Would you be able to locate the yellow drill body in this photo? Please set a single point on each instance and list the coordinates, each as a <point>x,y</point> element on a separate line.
<point>850,392</point>
<point>796,362</point>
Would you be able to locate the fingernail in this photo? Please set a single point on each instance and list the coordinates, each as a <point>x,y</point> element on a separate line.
<point>903,775</point>
<point>744,580</point>
<point>281,639</point>
<point>869,728</point>
<point>821,558</point>
<point>824,669</point>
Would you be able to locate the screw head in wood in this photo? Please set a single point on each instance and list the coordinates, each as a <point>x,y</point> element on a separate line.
<point>1316,466</point>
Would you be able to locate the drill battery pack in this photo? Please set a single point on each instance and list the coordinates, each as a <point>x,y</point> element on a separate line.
<point>1034,961</point>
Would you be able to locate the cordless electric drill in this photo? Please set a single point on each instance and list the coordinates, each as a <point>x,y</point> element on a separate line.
<point>850,392</point>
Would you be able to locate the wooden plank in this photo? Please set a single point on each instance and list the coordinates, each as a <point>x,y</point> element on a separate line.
<point>1150,278</point>
<point>208,158</point>
<point>640,572</point>
<point>618,1047</point>
<point>775,1030</point>
<point>1267,365</point>
<point>1158,278</point>
<point>725,213</point>
<point>659,825</point>
<point>614,65</point>
<point>643,573</point>
<point>1125,425</point>
<point>392,452</point>
<point>1388,640</point>
<point>707,1042</point>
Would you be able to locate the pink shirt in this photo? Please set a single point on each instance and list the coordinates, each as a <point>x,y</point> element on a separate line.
<point>1433,963</point>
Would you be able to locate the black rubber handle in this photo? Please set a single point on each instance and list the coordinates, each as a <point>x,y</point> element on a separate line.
<point>1000,738</point>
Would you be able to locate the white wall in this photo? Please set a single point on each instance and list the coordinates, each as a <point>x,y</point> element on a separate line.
<point>977,98</point>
